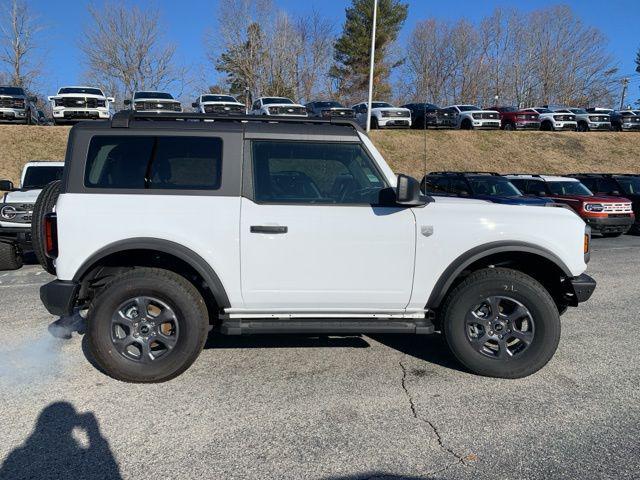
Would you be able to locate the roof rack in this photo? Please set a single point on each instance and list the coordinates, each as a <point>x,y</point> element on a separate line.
<point>465,173</point>
<point>522,174</point>
<point>124,118</point>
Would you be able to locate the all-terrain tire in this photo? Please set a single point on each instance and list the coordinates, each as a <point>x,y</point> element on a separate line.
<point>374,123</point>
<point>44,204</point>
<point>175,291</point>
<point>466,124</point>
<point>10,256</point>
<point>521,288</point>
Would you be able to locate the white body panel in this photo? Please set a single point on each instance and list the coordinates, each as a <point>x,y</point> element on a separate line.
<point>385,116</point>
<point>332,257</point>
<point>206,225</point>
<point>260,108</point>
<point>476,122</point>
<point>101,112</point>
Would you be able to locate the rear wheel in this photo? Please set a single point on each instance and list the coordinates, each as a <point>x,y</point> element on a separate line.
<point>10,256</point>
<point>509,127</point>
<point>44,204</point>
<point>147,326</point>
<point>501,323</point>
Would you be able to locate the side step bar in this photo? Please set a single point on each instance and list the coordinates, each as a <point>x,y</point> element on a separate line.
<point>239,326</point>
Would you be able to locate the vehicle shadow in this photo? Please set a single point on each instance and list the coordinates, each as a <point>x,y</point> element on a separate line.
<point>52,452</point>
<point>217,341</point>
<point>428,348</point>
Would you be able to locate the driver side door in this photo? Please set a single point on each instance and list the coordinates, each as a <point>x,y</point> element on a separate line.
<point>315,237</point>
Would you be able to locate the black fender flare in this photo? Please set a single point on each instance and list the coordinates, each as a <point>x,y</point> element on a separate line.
<point>185,254</point>
<point>456,267</point>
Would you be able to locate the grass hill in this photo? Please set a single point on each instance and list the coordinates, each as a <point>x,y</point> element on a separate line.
<point>408,151</point>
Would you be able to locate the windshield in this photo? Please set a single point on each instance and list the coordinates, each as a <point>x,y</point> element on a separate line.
<point>11,91</point>
<point>328,105</point>
<point>38,177</point>
<point>86,91</point>
<point>630,185</point>
<point>219,98</point>
<point>493,186</point>
<point>579,111</point>
<point>144,95</point>
<point>381,105</point>
<point>508,109</point>
<point>568,188</point>
<point>543,110</point>
<point>270,100</point>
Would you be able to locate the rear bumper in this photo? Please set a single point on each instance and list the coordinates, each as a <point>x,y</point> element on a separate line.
<point>610,224</point>
<point>59,297</point>
<point>581,288</point>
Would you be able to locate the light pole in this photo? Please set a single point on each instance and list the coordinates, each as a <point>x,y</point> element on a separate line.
<point>625,82</point>
<point>373,50</point>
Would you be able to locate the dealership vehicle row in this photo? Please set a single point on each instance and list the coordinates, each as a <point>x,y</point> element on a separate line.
<point>74,103</point>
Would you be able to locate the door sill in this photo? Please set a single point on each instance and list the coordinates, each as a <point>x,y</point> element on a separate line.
<point>326,326</point>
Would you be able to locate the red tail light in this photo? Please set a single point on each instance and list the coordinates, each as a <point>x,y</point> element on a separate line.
<point>50,235</point>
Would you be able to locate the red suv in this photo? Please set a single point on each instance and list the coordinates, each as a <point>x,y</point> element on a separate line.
<point>512,118</point>
<point>609,216</point>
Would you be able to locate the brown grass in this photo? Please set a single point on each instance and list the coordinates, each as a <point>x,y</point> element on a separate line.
<point>504,152</point>
<point>531,152</point>
<point>20,144</point>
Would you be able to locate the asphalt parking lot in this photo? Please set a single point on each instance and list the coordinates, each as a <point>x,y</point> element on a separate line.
<point>329,408</point>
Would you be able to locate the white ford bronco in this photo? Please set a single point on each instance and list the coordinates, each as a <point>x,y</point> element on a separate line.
<point>165,230</point>
<point>16,210</point>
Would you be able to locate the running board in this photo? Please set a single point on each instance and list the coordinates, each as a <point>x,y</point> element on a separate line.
<point>239,326</point>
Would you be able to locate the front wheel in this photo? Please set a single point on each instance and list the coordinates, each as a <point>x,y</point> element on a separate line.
<point>501,323</point>
<point>147,326</point>
<point>509,127</point>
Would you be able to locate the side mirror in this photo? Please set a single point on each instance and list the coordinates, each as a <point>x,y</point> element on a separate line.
<point>614,192</point>
<point>464,192</point>
<point>6,185</point>
<point>111,99</point>
<point>194,104</point>
<point>127,102</point>
<point>408,191</point>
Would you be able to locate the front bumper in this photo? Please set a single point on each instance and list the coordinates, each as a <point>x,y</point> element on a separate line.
<point>13,114</point>
<point>610,224</point>
<point>20,235</point>
<point>80,114</point>
<point>527,125</point>
<point>486,124</point>
<point>605,126</point>
<point>59,297</point>
<point>631,126</point>
<point>580,289</point>
<point>571,126</point>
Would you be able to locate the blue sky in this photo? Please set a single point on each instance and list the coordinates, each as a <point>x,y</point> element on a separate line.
<point>186,22</point>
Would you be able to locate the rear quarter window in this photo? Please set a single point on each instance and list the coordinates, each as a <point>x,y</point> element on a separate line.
<point>154,162</point>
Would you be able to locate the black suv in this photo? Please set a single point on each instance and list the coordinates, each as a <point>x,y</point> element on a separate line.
<point>625,120</point>
<point>426,115</point>
<point>489,186</point>
<point>329,109</point>
<point>615,185</point>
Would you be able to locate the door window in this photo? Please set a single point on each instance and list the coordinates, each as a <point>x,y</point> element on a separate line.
<point>314,173</point>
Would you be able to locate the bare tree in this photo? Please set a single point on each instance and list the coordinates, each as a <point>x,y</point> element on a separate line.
<point>269,52</point>
<point>124,51</point>
<point>19,30</point>
<point>547,56</point>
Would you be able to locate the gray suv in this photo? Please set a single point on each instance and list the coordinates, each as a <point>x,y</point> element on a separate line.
<point>17,106</point>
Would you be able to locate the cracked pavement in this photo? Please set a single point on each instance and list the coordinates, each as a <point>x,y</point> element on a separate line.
<point>291,407</point>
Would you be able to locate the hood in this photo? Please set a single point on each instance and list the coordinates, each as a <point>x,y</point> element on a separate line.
<point>447,199</point>
<point>14,96</point>
<point>515,199</point>
<point>592,198</point>
<point>392,109</point>
<point>284,105</point>
<point>20,196</point>
<point>81,95</point>
<point>157,100</point>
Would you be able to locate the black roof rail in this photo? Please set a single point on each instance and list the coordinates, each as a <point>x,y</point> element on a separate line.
<point>522,174</point>
<point>448,172</point>
<point>124,118</point>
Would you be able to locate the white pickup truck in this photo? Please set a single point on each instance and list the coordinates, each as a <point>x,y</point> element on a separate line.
<point>293,226</point>
<point>16,209</point>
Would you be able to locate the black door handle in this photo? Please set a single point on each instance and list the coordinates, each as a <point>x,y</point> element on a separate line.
<point>268,229</point>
